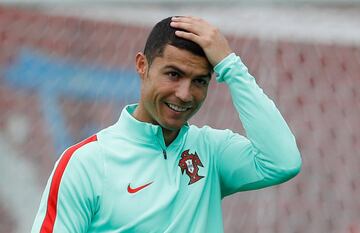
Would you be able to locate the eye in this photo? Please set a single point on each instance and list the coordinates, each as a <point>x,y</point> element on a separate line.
<point>201,82</point>
<point>173,74</point>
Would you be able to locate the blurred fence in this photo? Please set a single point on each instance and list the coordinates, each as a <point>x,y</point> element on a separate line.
<point>64,78</point>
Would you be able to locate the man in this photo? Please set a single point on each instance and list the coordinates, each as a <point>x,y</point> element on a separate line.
<point>151,171</point>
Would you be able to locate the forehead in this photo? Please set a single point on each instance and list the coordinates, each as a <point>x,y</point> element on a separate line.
<point>184,60</point>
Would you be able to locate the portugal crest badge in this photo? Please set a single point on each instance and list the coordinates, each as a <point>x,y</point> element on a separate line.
<point>190,164</point>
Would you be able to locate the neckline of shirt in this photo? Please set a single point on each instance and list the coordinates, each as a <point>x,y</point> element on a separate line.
<point>144,131</point>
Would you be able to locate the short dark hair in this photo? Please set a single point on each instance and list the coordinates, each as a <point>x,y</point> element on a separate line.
<point>163,34</point>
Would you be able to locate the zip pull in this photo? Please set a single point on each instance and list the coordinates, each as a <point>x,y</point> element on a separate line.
<point>164,153</point>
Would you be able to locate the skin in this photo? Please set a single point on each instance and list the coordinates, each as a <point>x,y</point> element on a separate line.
<point>179,77</point>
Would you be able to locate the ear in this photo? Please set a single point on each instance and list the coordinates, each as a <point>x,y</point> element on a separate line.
<point>141,64</point>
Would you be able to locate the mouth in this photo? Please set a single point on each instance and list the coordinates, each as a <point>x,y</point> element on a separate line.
<point>177,108</point>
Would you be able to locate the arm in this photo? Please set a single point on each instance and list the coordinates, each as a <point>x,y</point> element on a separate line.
<point>269,155</point>
<point>71,194</point>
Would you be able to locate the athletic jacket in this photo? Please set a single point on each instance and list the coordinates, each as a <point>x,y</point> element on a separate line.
<point>124,178</point>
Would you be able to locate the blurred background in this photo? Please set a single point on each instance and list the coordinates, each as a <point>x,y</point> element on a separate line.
<point>67,70</point>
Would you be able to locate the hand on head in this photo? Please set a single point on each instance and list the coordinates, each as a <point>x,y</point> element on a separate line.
<point>214,44</point>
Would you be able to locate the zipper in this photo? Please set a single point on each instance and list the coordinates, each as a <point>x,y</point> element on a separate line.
<point>164,153</point>
<point>162,145</point>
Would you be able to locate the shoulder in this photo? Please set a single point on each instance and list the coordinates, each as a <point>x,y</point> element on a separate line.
<point>219,138</point>
<point>211,135</point>
<point>209,132</point>
<point>86,149</point>
<point>82,156</point>
<point>80,169</point>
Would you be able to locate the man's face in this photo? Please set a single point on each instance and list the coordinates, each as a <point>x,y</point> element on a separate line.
<point>173,88</point>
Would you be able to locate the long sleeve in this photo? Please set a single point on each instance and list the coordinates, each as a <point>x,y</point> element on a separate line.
<point>71,195</point>
<point>269,154</point>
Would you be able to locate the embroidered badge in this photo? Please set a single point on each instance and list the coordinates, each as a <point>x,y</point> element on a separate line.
<point>190,163</point>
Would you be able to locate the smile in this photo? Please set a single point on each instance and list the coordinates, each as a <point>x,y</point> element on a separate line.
<point>177,108</point>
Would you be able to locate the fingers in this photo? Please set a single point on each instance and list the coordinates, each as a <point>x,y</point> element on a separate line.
<point>196,29</point>
<point>204,34</point>
<point>187,19</point>
<point>190,24</point>
<point>182,25</point>
<point>188,36</point>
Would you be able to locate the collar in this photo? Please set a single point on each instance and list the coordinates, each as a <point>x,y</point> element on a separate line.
<point>144,131</point>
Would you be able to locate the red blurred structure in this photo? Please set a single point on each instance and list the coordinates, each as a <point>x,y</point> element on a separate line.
<point>316,87</point>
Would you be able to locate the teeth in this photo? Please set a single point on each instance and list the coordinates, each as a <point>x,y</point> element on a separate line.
<point>177,108</point>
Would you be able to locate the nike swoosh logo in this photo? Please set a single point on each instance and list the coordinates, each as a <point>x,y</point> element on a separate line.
<point>135,190</point>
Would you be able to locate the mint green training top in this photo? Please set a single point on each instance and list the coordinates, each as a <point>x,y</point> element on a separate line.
<point>124,178</point>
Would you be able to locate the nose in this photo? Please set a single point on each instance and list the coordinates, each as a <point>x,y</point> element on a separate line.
<point>183,91</point>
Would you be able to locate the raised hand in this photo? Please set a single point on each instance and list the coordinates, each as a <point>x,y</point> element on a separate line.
<point>214,44</point>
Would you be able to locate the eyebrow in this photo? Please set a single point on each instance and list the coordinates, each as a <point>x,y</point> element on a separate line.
<point>208,75</point>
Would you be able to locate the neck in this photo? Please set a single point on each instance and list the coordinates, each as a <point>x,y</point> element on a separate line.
<point>169,135</point>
